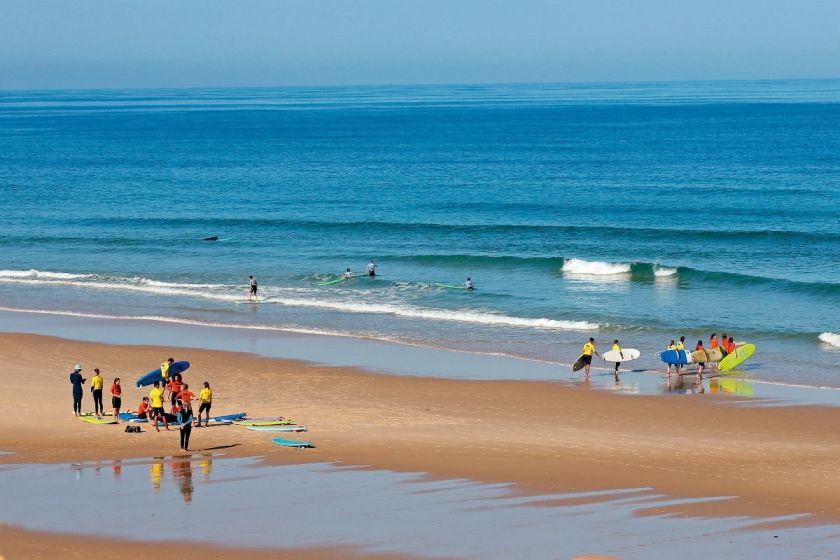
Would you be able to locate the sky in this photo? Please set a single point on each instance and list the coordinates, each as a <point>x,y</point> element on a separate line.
<point>219,43</point>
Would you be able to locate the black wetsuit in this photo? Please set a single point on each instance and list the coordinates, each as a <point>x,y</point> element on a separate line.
<point>185,419</point>
<point>77,380</point>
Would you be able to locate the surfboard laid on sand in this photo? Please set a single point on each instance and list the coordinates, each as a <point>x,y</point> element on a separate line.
<point>277,428</point>
<point>626,355</point>
<point>578,365</point>
<point>291,442</point>
<point>95,420</point>
<point>156,375</point>
<point>736,358</point>
<point>285,422</point>
<point>234,416</point>
<point>675,357</point>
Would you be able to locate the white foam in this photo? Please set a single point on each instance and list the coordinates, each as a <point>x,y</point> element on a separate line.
<point>661,271</point>
<point>32,273</point>
<point>580,266</point>
<point>831,338</point>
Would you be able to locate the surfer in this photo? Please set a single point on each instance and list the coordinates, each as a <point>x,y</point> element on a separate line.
<point>347,274</point>
<point>681,346</point>
<point>588,349</point>
<point>468,285</point>
<point>713,341</point>
<point>700,348</point>
<point>156,396</point>
<point>671,346</point>
<point>723,345</point>
<point>371,268</point>
<point>212,238</point>
<point>164,369</point>
<point>96,384</point>
<point>730,346</point>
<point>174,387</point>
<point>252,288</point>
<point>206,398</point>
<point>186,397</point>
<point>185,419</point>
<point>77,380</point>
<point>116,398</point>
<point>616,347</point>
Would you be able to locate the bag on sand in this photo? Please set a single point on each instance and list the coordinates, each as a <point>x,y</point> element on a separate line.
<point>132,429</point>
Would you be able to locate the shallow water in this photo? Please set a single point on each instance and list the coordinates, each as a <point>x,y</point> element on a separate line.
<point>243,502</point>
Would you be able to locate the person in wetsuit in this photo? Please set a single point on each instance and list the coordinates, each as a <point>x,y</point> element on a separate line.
<point>77,380</point>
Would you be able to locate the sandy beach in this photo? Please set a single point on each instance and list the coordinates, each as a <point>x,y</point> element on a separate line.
<point>547,437</point>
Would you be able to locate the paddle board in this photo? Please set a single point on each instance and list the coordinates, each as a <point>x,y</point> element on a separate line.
<point>626,355</point>
<point>234,416</point>
<point>675,357</point>
<point>736,358</point>
<point>277,428</point>
<point>578,365</point>
<point>156,375</point>
<point>291,442</point>
<point>263,422</point>
<point>95,420</point>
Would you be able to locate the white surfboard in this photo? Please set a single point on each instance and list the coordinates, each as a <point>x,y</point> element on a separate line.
<point>626,355</point>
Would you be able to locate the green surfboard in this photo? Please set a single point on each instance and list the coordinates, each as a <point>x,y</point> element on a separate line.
<point>736,358</point>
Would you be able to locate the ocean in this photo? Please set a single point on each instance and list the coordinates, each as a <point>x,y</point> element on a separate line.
<point>637,211</point>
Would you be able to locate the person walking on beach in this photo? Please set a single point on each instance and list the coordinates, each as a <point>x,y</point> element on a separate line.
<point>96,385</point>
<point>700,348</point>
<point>723,345</point>
<point>116,398</point>
<point>156,396</point>
<point>616,347</point>
<point>252,288</point>
<point>671,346</point>
<point>185,419</point>
<point>468,284</point>
<point>371,269</point>
<point>681,346</point>
<point>206,398</point>
<point>589,349</point>
<point>730,346</point>
<point>77,381</point>
<point>713,341</point>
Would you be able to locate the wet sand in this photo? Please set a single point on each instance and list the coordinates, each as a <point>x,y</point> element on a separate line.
<point>548,437</point>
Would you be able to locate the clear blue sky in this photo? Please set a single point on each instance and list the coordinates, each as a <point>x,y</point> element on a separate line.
<point>172,43</point>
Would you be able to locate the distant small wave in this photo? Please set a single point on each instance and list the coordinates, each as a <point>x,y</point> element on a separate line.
<point>831,338</point>
<point>580,266</point>
<point>32,273</point>
<point>661,271</point>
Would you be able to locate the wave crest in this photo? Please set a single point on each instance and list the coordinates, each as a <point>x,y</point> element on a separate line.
<point>580,266</point>
<point>831,338</point>
<point>34,274</point>
<point>662,271</point>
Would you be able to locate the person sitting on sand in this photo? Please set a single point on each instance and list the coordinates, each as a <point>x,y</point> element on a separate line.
<point>77,381</point>
<point>589,349</point>
<point>144,408</point>
<point>157,414</point>
<point>116,398</point>
<point>206,398</point>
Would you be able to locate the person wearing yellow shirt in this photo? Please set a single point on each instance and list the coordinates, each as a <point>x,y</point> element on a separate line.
<point>671,346</point>
<point>164,368</point>
<point>96,384</point>
<point>205,396</point>
<point>156,396</point>
<point>616,347</point>
<point>681,346</point>
<point>589,349</point>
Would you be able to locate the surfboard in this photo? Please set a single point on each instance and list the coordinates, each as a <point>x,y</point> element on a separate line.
<point>234,416</point>
<point>706,356</point>
<point>333,281</point>
<point>291,442</point>
<point>675,357</point>
<point>261,418</point>
<point>285,422</point>
<point>578,365</point>
<point>736,358</point>
<point>95,420</point>
<point>451,286</point>
<point>128,416</point>
<point>156,375</point>
<point>277,428</point>
<point>626,355</point>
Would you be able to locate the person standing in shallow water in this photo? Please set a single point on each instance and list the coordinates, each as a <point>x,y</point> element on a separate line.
<point>252,288</point>
<point>77,380</point>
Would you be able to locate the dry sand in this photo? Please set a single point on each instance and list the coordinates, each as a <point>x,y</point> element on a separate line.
<point>549,437</point>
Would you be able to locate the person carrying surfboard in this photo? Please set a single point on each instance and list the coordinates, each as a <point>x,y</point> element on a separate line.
<point>680,346</point>
<point>371,269</point>
<point>164,369</point>
<point>671,346</point>
<point>252,288</point>
<point>587,351</point>
<point>616,347</point>
<point>700,348</point>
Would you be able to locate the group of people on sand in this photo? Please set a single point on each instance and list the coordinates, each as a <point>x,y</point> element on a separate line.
<point>170,388</point>
<point>725,344</point>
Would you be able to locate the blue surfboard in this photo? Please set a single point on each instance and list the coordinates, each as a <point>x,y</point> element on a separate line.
<point>675,357</point>
<point>234,416</point>
<point>291,442</point>
<point>156,375</point>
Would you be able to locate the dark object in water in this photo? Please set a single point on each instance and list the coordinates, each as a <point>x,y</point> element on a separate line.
<point>212,238</point>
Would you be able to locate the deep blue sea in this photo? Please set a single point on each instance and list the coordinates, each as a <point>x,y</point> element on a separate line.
<point>638,211</point>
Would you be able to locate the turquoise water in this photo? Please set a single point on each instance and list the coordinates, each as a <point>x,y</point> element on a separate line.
<point>637,211</point>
